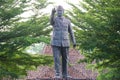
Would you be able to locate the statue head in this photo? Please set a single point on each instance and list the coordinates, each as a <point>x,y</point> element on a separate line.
<point>60,11</point>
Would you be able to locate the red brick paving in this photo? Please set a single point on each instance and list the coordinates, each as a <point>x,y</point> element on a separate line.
<point>77,71</point>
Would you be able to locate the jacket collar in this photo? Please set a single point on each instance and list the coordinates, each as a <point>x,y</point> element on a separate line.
<point>60,17</point>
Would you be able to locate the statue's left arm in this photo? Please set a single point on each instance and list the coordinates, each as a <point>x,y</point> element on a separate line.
<point>71,34</point>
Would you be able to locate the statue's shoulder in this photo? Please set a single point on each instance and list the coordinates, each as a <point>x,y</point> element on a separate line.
<point>55,18</point>
<point>68,20</point>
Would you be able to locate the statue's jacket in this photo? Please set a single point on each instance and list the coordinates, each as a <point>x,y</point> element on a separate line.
<point>61,31</point>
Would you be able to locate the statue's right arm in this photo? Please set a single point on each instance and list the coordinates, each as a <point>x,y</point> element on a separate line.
<point>52,17</point>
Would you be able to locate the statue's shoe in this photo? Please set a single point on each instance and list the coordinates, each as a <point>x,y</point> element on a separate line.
<point>57,77</point>
<point>67,76</point>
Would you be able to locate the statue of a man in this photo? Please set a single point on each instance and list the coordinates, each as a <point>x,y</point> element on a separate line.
<point>60,40</point>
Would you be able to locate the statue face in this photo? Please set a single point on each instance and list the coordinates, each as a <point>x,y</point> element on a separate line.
<point>60,12</point>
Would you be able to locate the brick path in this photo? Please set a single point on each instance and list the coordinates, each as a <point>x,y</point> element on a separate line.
<point>77,71</point>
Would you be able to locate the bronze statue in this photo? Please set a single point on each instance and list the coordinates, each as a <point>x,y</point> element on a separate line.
<point>60,40</point>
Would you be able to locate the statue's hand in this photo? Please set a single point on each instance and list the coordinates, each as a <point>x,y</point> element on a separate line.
<point>53,10</point>
<point>74,45</point>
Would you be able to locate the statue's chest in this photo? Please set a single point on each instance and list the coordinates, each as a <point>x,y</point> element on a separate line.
<point>61,24</point>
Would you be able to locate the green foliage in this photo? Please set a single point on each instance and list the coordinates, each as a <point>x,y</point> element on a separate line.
<point>98,34</point>
<point>15,36</point>
<point>109,74</point>
<point>18,64</point>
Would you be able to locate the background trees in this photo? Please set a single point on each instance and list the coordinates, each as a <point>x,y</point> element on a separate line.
<point>98,35</point>
<point>16,35</point>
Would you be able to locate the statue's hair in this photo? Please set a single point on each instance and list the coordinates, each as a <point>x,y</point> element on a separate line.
<point>60,7</point>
